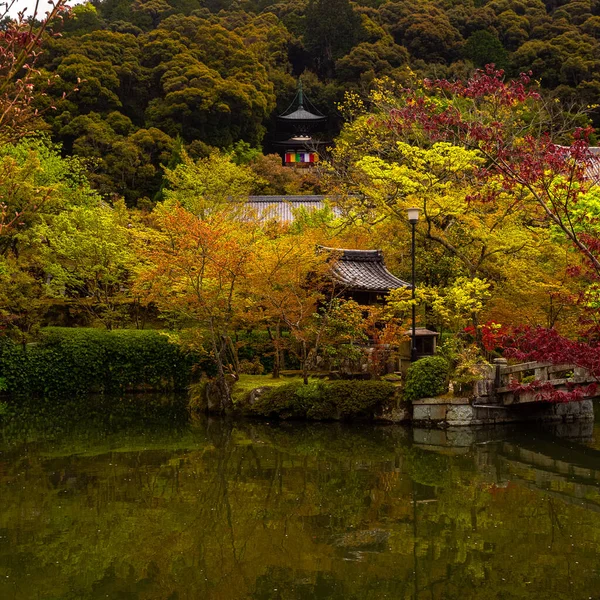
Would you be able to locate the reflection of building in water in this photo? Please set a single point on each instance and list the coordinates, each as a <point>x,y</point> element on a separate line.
<point>565,471</point>
<point>300,149</point>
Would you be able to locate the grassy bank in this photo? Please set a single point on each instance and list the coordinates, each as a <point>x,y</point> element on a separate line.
<point>319,400</point>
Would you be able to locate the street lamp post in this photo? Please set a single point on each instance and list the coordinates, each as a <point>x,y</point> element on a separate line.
<point>413,218</point>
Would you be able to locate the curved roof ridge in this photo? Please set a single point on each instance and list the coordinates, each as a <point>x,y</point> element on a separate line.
<point>351,250</point>
<point>275,198</point>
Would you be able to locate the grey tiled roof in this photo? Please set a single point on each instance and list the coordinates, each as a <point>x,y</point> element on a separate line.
<point>283,208</point>
<point>422,331</point>
<point>301,114</point>
<point>364,270</point>
<point>593,168</point>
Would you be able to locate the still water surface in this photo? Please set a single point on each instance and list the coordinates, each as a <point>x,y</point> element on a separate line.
<point>108,507</point>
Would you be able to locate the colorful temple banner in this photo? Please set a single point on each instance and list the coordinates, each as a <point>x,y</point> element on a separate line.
<point>301,157</point>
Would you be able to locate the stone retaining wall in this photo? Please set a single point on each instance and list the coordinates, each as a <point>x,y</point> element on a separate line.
<point>451,412</point>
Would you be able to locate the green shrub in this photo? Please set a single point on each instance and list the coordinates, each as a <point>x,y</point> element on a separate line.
<point>253,367</point>
<point>80,361</point>
<point>280,401</point>
<point>360,397</point>
<point>322,400</point>
<point>427,377</point>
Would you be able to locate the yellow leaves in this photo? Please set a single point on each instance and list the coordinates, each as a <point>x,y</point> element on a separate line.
<point>209,184</point>
<point>382,91</point>
<point>352,106</point>
<point>467,296</point>
<point>452,306</point>
<point>284,276</point>
<point>193,266</point>
<point>399,302</point>
<point>419,169</point>
<point>382,173</point>
<point>437,178</point>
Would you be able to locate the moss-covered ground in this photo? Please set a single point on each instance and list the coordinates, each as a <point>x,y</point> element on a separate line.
<point>247,383</point>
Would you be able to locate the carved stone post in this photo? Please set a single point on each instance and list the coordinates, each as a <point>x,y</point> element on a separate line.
<point>499,363</point>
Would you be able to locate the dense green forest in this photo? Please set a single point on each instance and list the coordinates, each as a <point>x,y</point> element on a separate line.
<point>155,75</point>
<point>129,145</point>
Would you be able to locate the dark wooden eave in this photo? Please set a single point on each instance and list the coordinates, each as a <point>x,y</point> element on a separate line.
<point>300,143</point>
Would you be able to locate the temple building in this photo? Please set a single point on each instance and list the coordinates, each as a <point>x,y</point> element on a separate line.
<point>301,149</point>
<point>363,276</point>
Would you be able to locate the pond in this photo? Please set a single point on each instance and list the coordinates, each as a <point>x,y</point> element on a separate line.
<point>112,505</point>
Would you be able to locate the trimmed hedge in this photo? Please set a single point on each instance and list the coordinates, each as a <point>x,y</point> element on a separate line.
<point>80,361</point>
<point>427,377</point>
<point>324,400</point>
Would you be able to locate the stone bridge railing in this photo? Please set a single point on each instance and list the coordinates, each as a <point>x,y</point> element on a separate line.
<point>496,386</point>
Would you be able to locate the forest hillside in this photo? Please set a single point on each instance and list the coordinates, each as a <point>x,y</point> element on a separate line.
<point>156,76</point>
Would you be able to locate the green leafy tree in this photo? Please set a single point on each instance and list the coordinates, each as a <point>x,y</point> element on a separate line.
<point>36,184</point>
<point>423,28</point>
<point>88,258</point>
<point>483,48</point>
<point>331,29</point>
<point>368,60</point>
<point>209,185</point>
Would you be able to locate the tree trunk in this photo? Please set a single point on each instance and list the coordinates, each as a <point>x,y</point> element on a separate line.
<point>228,342</point>
<point>277,356</point>
<point>478,334</point>
<point>225,394</point>
<point>304,363</point>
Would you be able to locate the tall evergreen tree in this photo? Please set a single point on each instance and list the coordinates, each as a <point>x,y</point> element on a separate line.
<point>332,30</point>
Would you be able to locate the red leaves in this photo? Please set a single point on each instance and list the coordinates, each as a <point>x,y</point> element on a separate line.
<point>492,335</point>
<point>547,345</point>
<point>488,83</point>
<point>544,391</point>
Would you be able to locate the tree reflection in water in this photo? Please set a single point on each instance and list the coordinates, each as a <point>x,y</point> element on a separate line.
<point>109,507</point>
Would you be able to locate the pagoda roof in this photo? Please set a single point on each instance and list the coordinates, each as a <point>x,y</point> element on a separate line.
<point>364,270</point>
<point>301,114</point>
<point>300,142</point>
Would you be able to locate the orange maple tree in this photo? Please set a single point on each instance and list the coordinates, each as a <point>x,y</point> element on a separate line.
<point>193,268</point>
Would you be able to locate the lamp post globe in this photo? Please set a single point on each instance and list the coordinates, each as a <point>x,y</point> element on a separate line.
<point>413,215</point>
